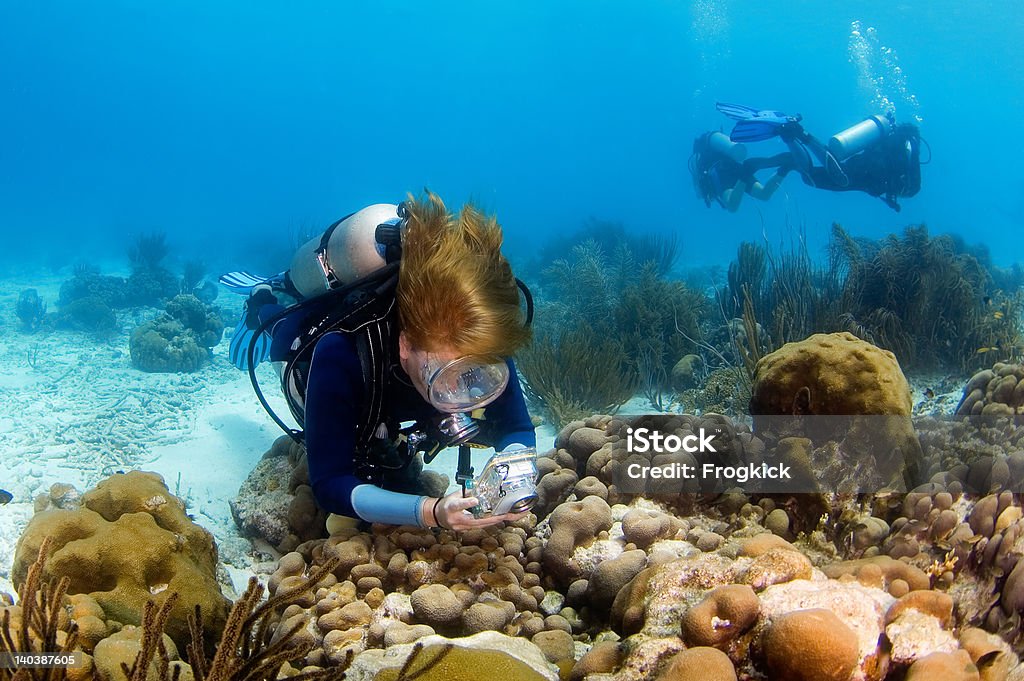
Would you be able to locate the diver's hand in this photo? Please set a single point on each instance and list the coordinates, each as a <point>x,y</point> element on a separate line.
<point>453,513</point>
<point>791,130</point>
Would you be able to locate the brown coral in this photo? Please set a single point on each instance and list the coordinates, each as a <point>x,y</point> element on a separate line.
<point>946,666</point>
<point>998,391</point>
<point>699,664</point>
<point>724,614</point>
<point>840,375</point>
<point>130,541</point>
<point>810,645</point>
<point>573,524</point>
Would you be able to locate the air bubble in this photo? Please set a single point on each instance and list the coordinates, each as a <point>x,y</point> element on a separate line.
<point>879,72</point>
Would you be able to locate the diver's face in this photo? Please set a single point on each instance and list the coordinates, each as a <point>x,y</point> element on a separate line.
<point>413,361</point>
<point>450,382</point>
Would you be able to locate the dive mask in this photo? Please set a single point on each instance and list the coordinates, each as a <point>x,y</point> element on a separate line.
<point>464,384</point>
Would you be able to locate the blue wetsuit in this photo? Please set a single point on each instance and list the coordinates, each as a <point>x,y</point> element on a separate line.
<point>333,410</point>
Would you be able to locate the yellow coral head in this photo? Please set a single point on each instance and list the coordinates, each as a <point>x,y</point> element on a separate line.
<point>456,291</point>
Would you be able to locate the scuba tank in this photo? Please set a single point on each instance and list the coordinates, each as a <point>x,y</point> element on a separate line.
<point>335,277</point>
<point>709,150</point>
<point>348,250</point>
<point>859,137</point>
<point>720,144</point>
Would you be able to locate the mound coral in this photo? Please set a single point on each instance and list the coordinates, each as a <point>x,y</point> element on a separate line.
<point>435,658</point>
<point>90,314</point>
<point>163,345</point>
<point>129,541</point>
<point>998,391</point>
<point>810,645</point>
<point>830,375</point>
<point>86,282</point>
<point>839,375</point>
<point>179,340</point>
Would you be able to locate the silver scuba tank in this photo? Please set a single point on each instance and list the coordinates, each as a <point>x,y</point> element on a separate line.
<point>859,137</point>
<point>721,144</point>
<point>344,253</point>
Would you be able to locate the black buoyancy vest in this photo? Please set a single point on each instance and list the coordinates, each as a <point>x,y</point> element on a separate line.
<point>369,314</point>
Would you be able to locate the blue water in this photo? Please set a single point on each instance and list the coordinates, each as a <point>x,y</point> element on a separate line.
<point>232,125</point>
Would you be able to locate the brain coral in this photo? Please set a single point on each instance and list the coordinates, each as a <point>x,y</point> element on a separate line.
<point>838,374</point>
<point>128,543</point>
<point>830,375</point>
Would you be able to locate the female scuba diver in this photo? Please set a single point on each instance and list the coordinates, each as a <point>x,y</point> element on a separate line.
<point>408,314</point>
<point>721,171</point>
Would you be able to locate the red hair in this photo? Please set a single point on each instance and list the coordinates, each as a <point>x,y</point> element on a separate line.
<point>456,291</point>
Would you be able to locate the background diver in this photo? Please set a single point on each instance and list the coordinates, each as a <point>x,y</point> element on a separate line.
<point>876,156</point>
<point>721,172</point>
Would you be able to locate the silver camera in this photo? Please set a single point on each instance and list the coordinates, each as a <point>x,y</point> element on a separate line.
<point>507,484</point>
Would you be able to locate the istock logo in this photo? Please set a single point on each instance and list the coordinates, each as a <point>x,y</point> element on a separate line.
<point>643,440</point>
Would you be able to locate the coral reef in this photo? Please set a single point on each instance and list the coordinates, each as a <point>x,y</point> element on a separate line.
<point>929,300</point>
<point>149,282</point>
<point>839,375</point>
<point>129,540</point>
<point>30,310</point>
<point>603,302</point>
<point>275,503</point>
<point>671,579</point>
<point>249,649</point>
<point>609,305</point>
<point>899,548</point>
<point>603,582</point>
<point>179,340</point>
<point>998,391</point>
<point>87,282</point>
<point>90,314</point>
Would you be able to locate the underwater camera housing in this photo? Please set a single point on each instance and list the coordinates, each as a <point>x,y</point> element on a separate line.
<point>507,484</point>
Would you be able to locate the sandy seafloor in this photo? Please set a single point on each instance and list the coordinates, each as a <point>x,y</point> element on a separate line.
<point>73,410</point>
